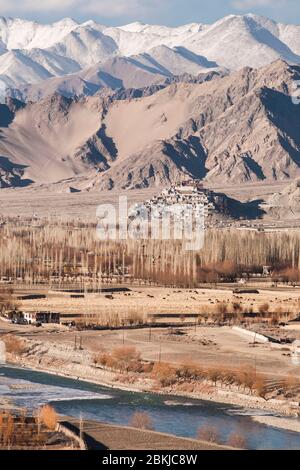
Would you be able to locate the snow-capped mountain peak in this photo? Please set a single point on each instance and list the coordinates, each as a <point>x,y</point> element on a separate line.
<point>135,27</point>
<point>42,51</point>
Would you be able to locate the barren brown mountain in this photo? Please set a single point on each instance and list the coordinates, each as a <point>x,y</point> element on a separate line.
<point>241,127</point>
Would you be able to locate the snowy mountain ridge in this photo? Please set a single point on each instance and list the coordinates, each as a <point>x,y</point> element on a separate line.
<point>31,53</point>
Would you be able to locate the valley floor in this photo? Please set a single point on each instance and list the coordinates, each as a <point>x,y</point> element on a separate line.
<point>56,201</point>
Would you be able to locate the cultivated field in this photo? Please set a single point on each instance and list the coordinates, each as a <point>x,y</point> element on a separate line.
<point>145,302</point>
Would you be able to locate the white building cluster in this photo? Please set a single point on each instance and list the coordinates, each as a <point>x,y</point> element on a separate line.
<point>190,193</point>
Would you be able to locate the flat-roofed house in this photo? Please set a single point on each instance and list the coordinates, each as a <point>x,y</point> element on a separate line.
<point>41,317</point>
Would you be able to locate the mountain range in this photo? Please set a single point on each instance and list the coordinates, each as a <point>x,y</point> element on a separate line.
<point>75,59</point>
<point>219,127</point>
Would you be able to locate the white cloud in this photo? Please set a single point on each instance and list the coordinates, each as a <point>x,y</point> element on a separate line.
<point>7,6</point>
<point>114,8</point>
<point>105,8</point>
<point>159,11</point>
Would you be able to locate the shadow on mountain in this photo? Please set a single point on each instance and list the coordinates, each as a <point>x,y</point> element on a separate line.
<point>157,67</point>
<point>7,165</point>
<point>296,69</point>
<point>241,210</point>
<point>6,116</point>
<point>285,115</point>
<point>198,59</point>
<point>13,173</point>
<point>263,36</point>
<point>15,182</point>
<point>188,155</point>
<point>109,80</point>
<point>19,183</point>
<point>254,167</point>
<point>107,142</point>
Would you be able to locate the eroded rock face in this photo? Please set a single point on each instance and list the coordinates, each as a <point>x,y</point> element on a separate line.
<point>286,203</point>
<point>233,128</point>
<point>243,127</point>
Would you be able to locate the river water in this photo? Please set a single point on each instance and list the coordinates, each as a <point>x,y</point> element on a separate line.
<point>173,415</point>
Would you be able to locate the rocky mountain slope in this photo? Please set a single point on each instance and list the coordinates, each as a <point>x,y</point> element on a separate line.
<point>139,71</point>
<point>234,128</point>
<point>88,56</point>
<point>285,204</point>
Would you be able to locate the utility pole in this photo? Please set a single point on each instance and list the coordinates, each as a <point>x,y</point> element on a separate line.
<point>159,356</point>
<point>80,426</point>
<point>75,343</point>
<point>38,423</point>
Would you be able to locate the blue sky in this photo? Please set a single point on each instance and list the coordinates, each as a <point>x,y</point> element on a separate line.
<point>169,12</point>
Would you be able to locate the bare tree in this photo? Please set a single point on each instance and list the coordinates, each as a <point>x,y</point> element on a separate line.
<point>209,434</point>
<point>237,440</point>
<point>48,416</point>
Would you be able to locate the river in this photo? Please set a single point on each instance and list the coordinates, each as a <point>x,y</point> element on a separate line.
<point>173,415</point>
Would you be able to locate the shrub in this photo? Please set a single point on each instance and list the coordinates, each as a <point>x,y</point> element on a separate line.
<point>124,356</point>
<point>260,385</point>
<point>264,309</point>
<point>14,345</point>
<point>246,377</point>
<point>164,373</point>
<point>188,371</point>
<point>214,375</point>
<point>147,367</point>
<point>209,434</point>
<point>237,440</point>
<point>135,366</point>
<point>228,377</point>
<point>103,359</point>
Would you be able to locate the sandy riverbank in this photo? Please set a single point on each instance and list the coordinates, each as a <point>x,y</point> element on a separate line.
<point>290,424</point>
